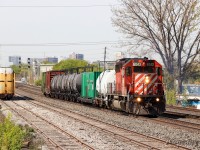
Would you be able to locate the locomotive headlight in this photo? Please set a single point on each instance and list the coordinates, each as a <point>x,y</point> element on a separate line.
<point>139,99</point>
<point>157,99</point>
<point>147,79</point>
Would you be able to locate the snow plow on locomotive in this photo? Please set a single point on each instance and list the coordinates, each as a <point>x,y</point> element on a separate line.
<point>135,86</point>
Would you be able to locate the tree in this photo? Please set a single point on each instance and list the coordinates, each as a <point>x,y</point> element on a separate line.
<point>70,63</point>
<point>169,27</point>
<point>16,69</point>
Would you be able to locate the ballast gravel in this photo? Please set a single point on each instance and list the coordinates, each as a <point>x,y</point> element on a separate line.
<point>165,132</point>
<point>93,136</point>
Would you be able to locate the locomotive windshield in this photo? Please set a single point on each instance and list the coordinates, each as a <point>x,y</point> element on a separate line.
<point>147,69</point>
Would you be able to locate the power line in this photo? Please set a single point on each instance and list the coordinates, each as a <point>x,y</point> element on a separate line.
<point>64,44</point>
<point>59,6</point>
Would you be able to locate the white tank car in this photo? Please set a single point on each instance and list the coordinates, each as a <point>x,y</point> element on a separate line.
<point>106,82</point>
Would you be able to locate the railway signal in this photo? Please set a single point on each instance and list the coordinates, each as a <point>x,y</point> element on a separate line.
<point>29,62</point>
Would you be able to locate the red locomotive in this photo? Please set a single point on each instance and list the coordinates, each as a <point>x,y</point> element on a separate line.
<point>139,87</point>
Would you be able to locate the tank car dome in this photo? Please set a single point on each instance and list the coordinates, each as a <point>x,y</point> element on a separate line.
<point>105,78</point>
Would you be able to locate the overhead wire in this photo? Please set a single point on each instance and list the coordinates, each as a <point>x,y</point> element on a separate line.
<point>59,6</point>
<point>64,44</point>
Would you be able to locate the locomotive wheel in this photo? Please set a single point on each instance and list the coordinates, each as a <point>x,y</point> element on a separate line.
<point>61,97</point>
<point>129,107</point>
<point>136,109</point>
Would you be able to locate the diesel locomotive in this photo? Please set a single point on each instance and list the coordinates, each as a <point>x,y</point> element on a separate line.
<point>134,86</point>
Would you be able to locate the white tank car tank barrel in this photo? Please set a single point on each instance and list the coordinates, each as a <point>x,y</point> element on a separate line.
<point>106,82</point>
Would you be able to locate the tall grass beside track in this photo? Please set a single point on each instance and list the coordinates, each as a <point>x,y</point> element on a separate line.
<point>171,97</point>
<point>14,137</point>
<point>11,135</point>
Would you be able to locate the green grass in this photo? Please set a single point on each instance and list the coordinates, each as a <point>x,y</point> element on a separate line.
<point>171,97</point>
<point>38,82</point>
<point>11,135</point>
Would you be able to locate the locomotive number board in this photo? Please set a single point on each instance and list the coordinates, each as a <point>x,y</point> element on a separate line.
<point>137,64</point>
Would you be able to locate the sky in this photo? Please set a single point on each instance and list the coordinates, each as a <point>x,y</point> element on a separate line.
<point>37,32</point>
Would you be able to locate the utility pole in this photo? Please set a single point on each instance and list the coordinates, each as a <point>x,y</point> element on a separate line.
<point>105,59</point>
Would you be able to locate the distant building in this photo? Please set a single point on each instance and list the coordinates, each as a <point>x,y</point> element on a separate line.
<point>16,60</point>
<point>80,56</point>
<point>52,59</point>
<point>41,60</point>
<point>45,68</point>
<point>76,56</point>
<point>72,56</point>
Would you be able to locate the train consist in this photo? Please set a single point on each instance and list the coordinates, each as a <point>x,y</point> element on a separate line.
<point>135,86</point>
<point>7,83</point>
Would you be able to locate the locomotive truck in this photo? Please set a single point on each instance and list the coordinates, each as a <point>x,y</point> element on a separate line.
<point>135,86</point>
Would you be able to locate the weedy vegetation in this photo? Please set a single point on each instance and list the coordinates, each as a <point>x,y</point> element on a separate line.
<point>14,137</point>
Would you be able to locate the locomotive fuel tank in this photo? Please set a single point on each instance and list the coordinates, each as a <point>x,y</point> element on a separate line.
<point>119,104</point>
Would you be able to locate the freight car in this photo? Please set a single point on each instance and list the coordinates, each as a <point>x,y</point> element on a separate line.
<point>7,83</point>
<point>135,86</point>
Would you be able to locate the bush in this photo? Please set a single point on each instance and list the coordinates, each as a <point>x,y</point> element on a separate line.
<point>11,135</point>
<point>38,82</point>
<point>171,97</point>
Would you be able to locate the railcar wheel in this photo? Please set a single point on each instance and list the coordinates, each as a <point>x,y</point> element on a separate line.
<point>101,104</point>
<point>52,96</point>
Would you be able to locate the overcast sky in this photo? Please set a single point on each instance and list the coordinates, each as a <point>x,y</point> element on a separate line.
<point>89,23</point>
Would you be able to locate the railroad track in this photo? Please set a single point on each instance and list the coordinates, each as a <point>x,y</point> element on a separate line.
<point>177,123</point>
<point>163,120</point>
<point>173,112</point>
<point>121,133</point>
<point>31,89</point>
<point>184,108</point>
<point>168,121</point>
<point>57,138</point>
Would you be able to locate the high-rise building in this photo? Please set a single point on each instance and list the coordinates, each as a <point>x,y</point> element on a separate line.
<point>76,56</point>
<point>80,56</point>
<point>16,60</point>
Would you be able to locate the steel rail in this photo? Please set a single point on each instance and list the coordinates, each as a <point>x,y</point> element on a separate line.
<point>55,126</point>
<point>92,122</point>
<point>34,126</point>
